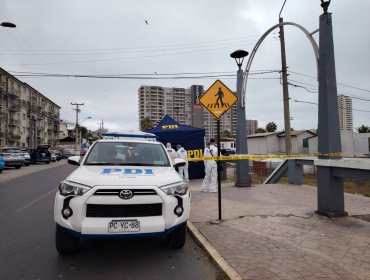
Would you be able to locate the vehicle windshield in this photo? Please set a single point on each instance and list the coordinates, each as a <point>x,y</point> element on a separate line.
<point>127,153</point>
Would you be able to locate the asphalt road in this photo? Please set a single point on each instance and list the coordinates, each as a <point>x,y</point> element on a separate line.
<point>27,249</point>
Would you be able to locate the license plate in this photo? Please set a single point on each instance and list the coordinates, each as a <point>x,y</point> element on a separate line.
<point>124,226</point>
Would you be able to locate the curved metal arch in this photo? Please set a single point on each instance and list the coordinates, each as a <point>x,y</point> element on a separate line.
<point>249,62</point>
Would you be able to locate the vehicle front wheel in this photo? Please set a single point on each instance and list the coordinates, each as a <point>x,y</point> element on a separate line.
<point>27,164</point>
<point>18,166</point>
<point>47,162</point>
<point>177,238</point>
<point>65,243</point>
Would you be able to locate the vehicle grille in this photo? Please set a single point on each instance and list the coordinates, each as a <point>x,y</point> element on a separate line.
<point>117,191</point>
<point>123,211</point>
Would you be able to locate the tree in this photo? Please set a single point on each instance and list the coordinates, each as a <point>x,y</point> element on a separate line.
<point>146,123</point>
<point>225,134</point>
<point>83,131</point>
<point>363,129</point>
<point>271,127</point>
<point>261,130</point>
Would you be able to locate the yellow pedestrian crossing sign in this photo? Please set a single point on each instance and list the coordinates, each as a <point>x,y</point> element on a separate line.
<point>218,99</point>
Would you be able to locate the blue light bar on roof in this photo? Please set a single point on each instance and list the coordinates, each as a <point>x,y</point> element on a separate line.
<point>143,135</point>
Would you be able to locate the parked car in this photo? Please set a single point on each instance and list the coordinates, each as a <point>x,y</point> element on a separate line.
<point>41,154</point>
<point>58,154</point>
<point>53,157</point>
<point>27,157</point>
<point>227,152</point>
<point>24,154</point>
<point>2,164</point>
<point>68,153</point>
<point>12,157</point>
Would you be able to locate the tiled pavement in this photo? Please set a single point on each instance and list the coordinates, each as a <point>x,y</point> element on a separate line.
<point>272,232</point>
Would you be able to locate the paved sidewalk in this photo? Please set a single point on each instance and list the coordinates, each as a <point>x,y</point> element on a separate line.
<point>272,232</point>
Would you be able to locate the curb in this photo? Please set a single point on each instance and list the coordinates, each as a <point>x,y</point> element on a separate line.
<point>215,256</point>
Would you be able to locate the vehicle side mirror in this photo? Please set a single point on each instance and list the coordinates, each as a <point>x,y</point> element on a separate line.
<point>74,160</point>
<point>179,162</point>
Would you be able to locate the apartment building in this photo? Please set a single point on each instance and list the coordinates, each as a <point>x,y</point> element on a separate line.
<point>345,113</point>
<point>155,102</point>
<point>227,124</point>
<point>251,126</point>
<point>182,104</point>
<point>27,118</point>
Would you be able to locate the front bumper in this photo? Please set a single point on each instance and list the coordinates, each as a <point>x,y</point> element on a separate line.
<point>14,163</point>
<point>83,225</point>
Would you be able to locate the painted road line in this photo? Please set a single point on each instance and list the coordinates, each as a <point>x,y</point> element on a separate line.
<point>28,205</point>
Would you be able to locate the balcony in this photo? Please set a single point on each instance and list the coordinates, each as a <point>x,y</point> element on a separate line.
<point>14,93</point>
<point>14,122</point>
<point>14,107</point>
<point>13,136</point>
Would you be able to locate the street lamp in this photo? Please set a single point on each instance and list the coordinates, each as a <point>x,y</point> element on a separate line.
<point>242,166</point>
<point>8,24</point>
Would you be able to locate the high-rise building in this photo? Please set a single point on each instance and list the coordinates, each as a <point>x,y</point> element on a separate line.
<point>155,102</point>
<point>345,113</point>
<point>252,126</point>
<point>183,106</point>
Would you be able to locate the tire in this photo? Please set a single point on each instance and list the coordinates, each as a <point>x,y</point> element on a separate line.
<point>18,166</point>
<point>65,243</point>
<point>47,162</point>
<point>1,170</point>
<point>177,238</point>
<point>27,164</point>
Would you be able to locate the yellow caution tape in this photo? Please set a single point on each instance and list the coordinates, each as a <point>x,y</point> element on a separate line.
<point>250,157</point>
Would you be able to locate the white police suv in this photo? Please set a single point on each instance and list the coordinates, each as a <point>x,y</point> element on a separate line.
<point>125,186</point>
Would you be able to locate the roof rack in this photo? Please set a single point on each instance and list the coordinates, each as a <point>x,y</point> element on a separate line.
<point>129,135</point>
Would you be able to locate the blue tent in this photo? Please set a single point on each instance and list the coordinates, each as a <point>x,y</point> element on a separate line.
<point>191,138</point>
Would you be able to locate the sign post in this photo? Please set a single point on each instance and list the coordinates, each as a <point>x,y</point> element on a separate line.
<point>218,99</point>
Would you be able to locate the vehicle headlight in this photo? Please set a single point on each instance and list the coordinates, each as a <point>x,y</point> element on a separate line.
<point>68,188</point>
<point>179,188</point>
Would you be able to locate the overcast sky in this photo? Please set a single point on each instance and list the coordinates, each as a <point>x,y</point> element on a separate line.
<point>116,37</point>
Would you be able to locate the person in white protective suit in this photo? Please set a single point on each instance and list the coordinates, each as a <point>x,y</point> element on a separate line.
<point>210,179</point>
<point>183,170</point>
<point>173,154</point>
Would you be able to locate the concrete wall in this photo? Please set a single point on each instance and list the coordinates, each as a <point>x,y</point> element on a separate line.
<point>297,143</point>
<point>346,138</point>
<point>353,144</point>
<point>272,144</point>
<point>257,145</point>
<point>361,144</point>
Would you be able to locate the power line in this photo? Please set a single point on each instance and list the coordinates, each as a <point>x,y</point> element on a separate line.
<point>145,76</point>
<point>313,103</point>
<point>344,93</point>
<point>151,47</point>
<point>344,85</point>
<point>133,57</point>
<point>224,45</point>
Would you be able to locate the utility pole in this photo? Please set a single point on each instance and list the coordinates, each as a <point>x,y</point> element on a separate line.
<point>285,89</point>
<point>76,133</point>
